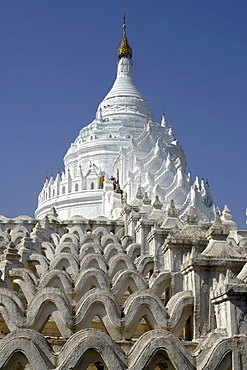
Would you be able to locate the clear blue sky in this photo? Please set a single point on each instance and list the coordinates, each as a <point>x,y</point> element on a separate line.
<point>58,60</point>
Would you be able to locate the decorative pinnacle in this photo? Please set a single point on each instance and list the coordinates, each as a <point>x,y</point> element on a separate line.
<point>124,49</point>
<point>163,119</point>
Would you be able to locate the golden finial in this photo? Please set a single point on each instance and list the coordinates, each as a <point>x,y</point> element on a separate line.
<point>124,49</point>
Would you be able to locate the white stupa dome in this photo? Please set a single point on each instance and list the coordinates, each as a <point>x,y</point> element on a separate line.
<point>122,150</point>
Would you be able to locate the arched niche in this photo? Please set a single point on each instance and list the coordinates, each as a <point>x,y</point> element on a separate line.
<point>160,361</point>
<point>226,363</point>
<point>18,361</point>
<point>91,360</point>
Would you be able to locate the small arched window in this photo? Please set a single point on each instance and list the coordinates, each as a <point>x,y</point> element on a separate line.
<point>92,185</point>
<point>63,190</point>
<point>76,187</point>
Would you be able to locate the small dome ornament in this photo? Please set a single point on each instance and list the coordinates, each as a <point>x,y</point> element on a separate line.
<point>124,49</point>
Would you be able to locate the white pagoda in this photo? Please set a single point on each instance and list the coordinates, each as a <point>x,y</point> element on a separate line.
<point>128,265</point>
<point>121,154</point>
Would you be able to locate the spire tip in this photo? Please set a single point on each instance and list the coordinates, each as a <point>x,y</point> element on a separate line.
<point>124,49</point>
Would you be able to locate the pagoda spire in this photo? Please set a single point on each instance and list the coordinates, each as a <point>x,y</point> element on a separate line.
<point>124,49</point>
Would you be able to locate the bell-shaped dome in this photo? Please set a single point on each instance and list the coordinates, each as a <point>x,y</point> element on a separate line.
<point>122,147</point>
<point>124,97</point>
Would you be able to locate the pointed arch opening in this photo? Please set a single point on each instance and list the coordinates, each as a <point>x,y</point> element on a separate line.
<point>188,329</point>
<point>17,288</point>
<point>226,363</point>
<point>50,320</point>
<point>160,361</point>
<point>91,360</point>
<point>125,296</point>
<point>18,361</point>
<point>49,328</point>
<point>167,295</point>
<point>98,324</point>
<point>4,330</point>
<point>55,282</point>
<point>142,327</point>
